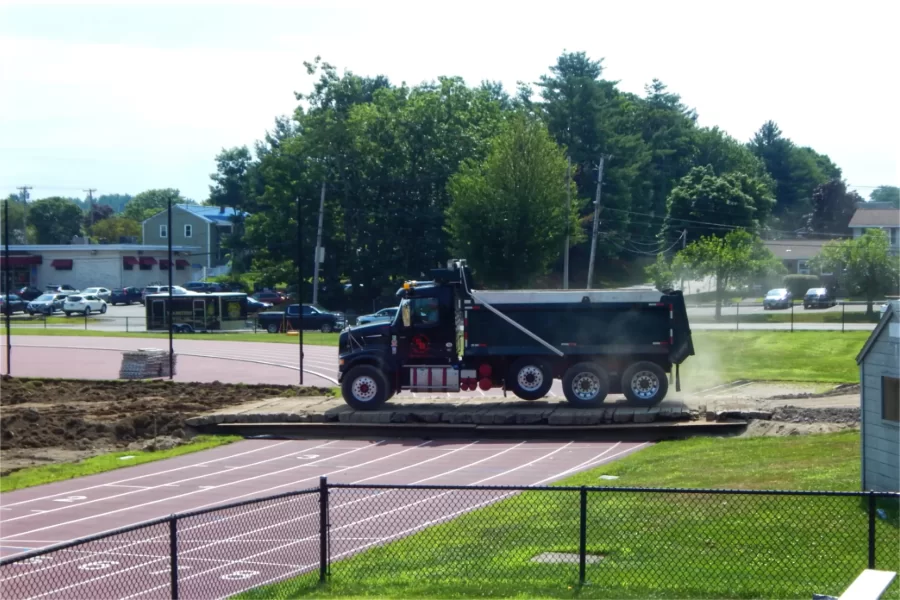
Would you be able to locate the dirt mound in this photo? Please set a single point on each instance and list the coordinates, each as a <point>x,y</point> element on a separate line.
<point>795,414</point>
<point>47,420</point>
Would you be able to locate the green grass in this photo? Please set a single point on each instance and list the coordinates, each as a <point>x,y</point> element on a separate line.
<point>820,356</point>
<point>811,316</point>
<point>32,476</point>
<point>653,545</point>
<point>309,337</point>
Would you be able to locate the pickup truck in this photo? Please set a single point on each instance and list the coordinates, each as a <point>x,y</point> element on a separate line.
<point>314,317</point>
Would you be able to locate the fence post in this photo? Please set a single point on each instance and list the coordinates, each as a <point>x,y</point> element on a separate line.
<point>582,536</point>
<point>737,321</point>
<point>173,556</point>
<point>85,319</point>
<point>871,529</point>
<point>792,315</point>
<point>323,529</point>
<point>126,324</point>
<point>843,312</point>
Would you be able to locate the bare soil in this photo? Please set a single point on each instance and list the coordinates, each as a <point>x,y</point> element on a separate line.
<point>44,421</point>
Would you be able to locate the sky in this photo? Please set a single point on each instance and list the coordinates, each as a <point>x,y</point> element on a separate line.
<point>123,96</point>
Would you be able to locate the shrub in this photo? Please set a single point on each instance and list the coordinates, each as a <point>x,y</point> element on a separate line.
<point>798,284</point>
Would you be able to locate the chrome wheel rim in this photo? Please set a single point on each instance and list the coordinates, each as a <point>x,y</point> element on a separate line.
<point>645,384</point>
<point>530,378</point>
<point>586,386</point>
<point>364,389</point>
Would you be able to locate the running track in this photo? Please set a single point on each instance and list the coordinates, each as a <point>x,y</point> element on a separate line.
<point>221,554</point>
<point>198,360</point>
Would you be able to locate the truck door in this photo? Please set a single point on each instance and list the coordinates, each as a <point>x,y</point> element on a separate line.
<point>427,333</point>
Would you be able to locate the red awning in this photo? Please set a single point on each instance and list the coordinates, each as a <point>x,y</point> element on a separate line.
<point>164,263</point>
<point>148,260</point>
<point>129,260</point>
<point>22,261</point>
<point>182,263</point>
<point>62,263</point>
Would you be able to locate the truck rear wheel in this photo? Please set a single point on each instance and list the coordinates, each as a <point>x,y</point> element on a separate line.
<point>529,378</point>
<point>585,384</point>
<point>365,388</point>
<point>273,328</point>
<point>645,382</point>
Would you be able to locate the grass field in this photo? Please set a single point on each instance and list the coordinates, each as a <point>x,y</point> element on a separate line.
<point>653,545</point>
<point>31,476</point>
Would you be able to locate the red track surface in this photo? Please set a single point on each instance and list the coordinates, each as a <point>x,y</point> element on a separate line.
<point>198,360</point>
<point>221,554</point>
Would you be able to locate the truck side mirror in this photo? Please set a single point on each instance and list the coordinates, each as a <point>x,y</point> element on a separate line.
<point>405,312</point>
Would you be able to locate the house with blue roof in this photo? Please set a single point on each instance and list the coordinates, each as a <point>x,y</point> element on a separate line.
<point>203,227</point>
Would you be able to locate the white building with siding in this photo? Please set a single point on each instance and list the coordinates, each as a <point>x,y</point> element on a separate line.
<point>87,265</point>
<point>879,376</point>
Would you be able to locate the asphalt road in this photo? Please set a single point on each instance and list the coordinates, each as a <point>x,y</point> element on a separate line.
<point>132,318</point>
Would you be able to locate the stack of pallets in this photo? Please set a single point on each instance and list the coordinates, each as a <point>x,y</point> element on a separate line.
<point>146,363</point>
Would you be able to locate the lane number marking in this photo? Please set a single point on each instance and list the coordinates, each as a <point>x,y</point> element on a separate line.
<point>99,565</point>
<point>239,575</point>
<point>70,499</point>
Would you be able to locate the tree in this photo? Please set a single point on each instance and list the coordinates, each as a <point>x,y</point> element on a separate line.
<point>725,155</point>
<point>833,207</point>
<point>55,220</point>
<point>96,213</point>
<point>732,259</point>
<point>705,204</point>
<point>146,204</point>
<point>508,216</point>
<point>796,172</point>
<point>863,265</point>
<point>111,229</point>
<point>116,201</point>
<point>17,220</point>
<point>230,189</point>
<point>886,193</point>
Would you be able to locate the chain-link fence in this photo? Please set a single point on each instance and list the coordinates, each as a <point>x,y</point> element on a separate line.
<point>413,540</point>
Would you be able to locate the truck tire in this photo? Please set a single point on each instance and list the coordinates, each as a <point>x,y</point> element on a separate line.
<point>365,387</point>
<point>645,383</point>
<point>273,328</point>
<point>585,385</point>
<point>326,328</point>
<point>529,378</point>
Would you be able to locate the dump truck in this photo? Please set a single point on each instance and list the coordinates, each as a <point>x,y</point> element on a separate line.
<point>449,337</point>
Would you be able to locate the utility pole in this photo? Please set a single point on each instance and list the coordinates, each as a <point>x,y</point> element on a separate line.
<point>90,193</point>
<point>683,244</point>
<point>315,298</point>
<point>568,218</point>
<point>596,224</point>
<point>24,195</point>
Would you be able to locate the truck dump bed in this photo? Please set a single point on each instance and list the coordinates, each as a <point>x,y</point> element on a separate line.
<point>615,322</point>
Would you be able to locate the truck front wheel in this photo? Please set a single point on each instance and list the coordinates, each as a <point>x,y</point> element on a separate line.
<point>645,382</point>
<point>529,378</point>
<point>585,385</point>
<point>273,328</point>
<point>365,388</point>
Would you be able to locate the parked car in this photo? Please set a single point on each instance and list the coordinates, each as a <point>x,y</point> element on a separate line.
<point>62,289</point>
<point>818,298</point>
<point>273,298</point>
<point>100,292</point>
<point>197,286</point>
<point>15,304</point>
<point>384,315</point>
<point>29,292</point>
<point>778,298</point>
<point>314,317</point>
<point>255,306</point>
<point>126,296</point>
<point>46,304</point>
<point>83,303</point>
<point>177,290</point>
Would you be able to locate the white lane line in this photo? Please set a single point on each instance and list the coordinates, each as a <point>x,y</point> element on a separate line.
<point>227,500</point>
<point>376,516</point>
<point>593,462</point>
<point>169,497</point>
<point>84,489</point>
<point>363,499</point>
<point>123,485</point>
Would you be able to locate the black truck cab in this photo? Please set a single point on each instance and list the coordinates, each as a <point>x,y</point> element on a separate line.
<point>447,337</point>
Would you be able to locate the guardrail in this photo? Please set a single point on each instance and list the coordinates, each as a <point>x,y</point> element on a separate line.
<point>612,538</point>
